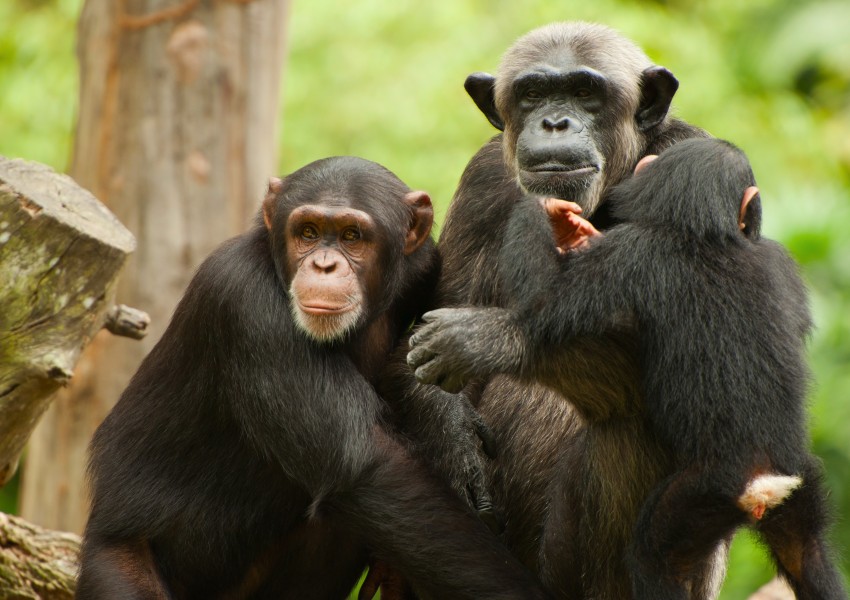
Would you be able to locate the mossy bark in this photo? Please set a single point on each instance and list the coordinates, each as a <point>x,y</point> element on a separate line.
<point>36,563</point>
<point>60,254</point>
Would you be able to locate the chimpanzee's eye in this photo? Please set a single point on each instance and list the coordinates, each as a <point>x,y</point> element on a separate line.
<point>583,93</point>
<point>351,234</point>
<point>308,232</point>
<point>533,95</point>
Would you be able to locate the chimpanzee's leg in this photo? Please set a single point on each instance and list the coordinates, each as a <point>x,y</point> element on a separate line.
<point>678,532</point>
<point>795,531</point>
<point>120,570</point>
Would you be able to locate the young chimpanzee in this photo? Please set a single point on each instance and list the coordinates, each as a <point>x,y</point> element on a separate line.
<point>721,316</point>
<point>249,456</point>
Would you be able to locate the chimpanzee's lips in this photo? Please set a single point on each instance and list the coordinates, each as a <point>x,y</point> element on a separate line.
<point>561,170</point>
<point>322,308</point>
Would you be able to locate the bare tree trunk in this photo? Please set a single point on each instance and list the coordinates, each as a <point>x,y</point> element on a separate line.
<point>176,134</point>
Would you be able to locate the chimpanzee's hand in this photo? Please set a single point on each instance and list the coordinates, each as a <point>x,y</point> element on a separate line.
<point>459,458</point>
<point>571,231</point>
<point>458,344</point>
<point>446,431</point>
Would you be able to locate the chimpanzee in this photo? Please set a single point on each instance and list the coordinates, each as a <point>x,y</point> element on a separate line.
<point>722,318</point>
<point>579,105</point>
<point>250,457</point>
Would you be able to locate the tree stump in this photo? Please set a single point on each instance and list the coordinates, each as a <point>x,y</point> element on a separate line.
<point>60,254</point>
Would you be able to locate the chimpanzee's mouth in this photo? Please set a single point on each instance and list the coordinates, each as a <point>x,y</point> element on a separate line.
<point>321,308</point>
<point>558,180</point>
<point>554,169</point>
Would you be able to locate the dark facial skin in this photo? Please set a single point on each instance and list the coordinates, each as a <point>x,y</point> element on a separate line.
<point>558,104</point>
<point>563,117</point>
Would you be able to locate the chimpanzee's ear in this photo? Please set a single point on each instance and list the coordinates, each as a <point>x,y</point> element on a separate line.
<point>657,88</point>
<point>421,222</point>
<point>749,218</point>
<point>275,187</point>
<point>481,87</point>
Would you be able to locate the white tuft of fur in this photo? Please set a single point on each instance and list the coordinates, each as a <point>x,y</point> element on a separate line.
<point>719,562</point>
<point>766,492</point>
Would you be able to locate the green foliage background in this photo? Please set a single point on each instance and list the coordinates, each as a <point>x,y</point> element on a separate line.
<point>383,79</point>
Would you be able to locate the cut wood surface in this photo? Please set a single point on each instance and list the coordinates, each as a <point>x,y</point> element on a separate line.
<point>60,254</point>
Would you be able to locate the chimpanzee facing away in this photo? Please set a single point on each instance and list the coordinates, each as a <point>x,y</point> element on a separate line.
<point>579,106</point>
<point>722,318</point>
<point>249,456</point>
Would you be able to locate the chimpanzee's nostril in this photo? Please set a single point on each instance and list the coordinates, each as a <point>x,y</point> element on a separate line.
<point>325,262</point>
<point>561,124</point>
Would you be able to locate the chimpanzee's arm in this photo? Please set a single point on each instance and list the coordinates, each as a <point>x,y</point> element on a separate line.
<point>446,430</point>
<point>319,419</point>
<point>366,479</point>
<point>554,298</point>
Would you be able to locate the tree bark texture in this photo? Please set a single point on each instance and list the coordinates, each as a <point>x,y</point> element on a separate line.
<point>35,563</point>
<point>176,134</point>
<point>60,254</point>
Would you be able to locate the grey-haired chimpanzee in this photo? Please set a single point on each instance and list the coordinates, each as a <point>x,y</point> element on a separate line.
<point>579,105</point>
<point>722,319</point>
<point>250,456</point>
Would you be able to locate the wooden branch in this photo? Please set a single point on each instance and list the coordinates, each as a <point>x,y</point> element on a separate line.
<point>127,322</point>
<point>60,254</point>
<point>36,563</point>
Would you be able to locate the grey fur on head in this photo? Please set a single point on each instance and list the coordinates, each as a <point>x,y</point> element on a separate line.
<point>600,48</point>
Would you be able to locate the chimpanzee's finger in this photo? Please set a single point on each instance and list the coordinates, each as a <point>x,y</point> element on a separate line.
<point>370,587</point>
<point>431,372</point>
<point>418,356</point>
<point>440,313</point>
<point>485,434</point>
<point>483,502</point>
<point>421,335</point>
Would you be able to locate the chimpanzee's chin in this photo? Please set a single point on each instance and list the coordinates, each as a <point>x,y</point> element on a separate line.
<point>578,190</point>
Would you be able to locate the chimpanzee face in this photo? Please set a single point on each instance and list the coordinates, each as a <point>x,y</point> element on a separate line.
<point>340,230</point>
<point>332,253</point>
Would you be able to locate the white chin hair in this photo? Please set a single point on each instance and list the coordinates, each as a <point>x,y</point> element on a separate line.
<point>326,328</point>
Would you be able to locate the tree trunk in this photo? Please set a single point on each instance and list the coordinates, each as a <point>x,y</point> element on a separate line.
<point>176,134</point>
<point>60,254</point>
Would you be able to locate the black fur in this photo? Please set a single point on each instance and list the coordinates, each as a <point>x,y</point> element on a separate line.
<point>575,458</point>
<point>721,317</point>
<point>247,460</point>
